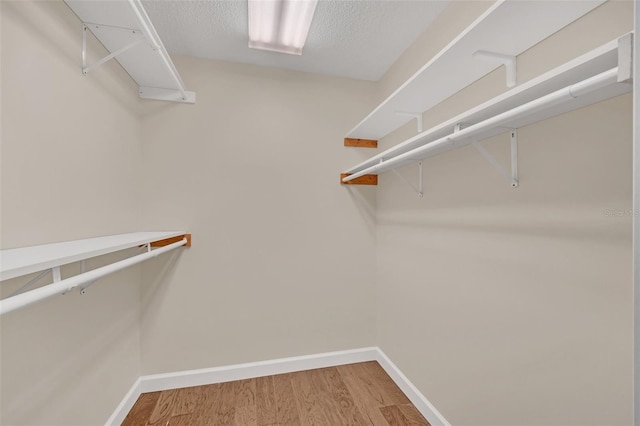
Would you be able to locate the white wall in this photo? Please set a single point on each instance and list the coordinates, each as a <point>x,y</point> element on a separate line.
<point>636,223</point>
<point>514,306</point>
<point>70,157</point>
<point>282,262</point>
<point>504,306</point>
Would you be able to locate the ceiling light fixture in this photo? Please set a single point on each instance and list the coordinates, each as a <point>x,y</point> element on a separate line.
<point>280,25</point>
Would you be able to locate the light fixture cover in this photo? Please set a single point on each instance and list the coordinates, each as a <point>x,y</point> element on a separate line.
<point>280,25</point>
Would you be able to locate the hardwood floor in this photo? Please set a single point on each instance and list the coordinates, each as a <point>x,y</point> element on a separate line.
<point>354,394</point>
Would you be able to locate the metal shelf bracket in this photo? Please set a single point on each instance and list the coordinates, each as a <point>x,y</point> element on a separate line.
<point>416,115</point>
<point>31,282</point>
<point>83,269</point>
<point>513,176</point>
<point>56,274</point>
<point>139,38</point>
<point>509,62</point>
<point>419,189</point>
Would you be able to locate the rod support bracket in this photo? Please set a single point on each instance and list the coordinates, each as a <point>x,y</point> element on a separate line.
<point>417,189</point>
<point>31,282</point>
<point>458,127</point>
<point>509,62</point>
<point>514,158</point>
<point>513,176</point>
<point>56,274</point>
<point>83,289</point>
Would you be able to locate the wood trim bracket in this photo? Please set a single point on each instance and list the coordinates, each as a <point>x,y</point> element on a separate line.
<point>362,180</point>
<point>360,143</point>
<point>172,240</point>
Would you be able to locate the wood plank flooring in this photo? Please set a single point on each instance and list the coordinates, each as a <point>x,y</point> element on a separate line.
<point>354,394</point>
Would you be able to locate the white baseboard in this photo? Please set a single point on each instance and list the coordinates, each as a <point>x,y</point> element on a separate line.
<point>206,376</point>
<point>125,405</point>
<point>230,373</point>
<point>423,405</point>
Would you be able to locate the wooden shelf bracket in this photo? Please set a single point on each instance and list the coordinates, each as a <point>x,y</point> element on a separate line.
<point>360,180</point>
<point>172,240</point>
<point>360,143</point>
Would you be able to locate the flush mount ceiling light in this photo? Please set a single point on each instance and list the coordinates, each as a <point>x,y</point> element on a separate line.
<point>280,25</point>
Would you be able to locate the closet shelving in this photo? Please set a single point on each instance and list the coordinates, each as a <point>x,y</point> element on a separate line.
<point>603,73</point>
<point>496,38</point>
<point>50,257</point>
<point>507,28</point>
<point>125,30</point>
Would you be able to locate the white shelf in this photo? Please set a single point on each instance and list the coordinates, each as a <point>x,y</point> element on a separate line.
<point>598,75</point>
<point>21,261</point>
<point>117,24</point>
<point>509,27</point>
<point>613,54</point>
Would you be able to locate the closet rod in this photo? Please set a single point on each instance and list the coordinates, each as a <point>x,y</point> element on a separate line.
<point>559,96</point>
<point>60,287</point>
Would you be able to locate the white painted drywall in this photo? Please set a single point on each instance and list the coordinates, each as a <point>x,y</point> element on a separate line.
<point>503,306</point>
<point>282,262</point>
<point>70,158</point>
<point>636,223</point>
<point>514,306</point>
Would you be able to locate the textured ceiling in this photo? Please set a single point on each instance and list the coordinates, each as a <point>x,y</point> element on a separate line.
<point>351,38</point>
